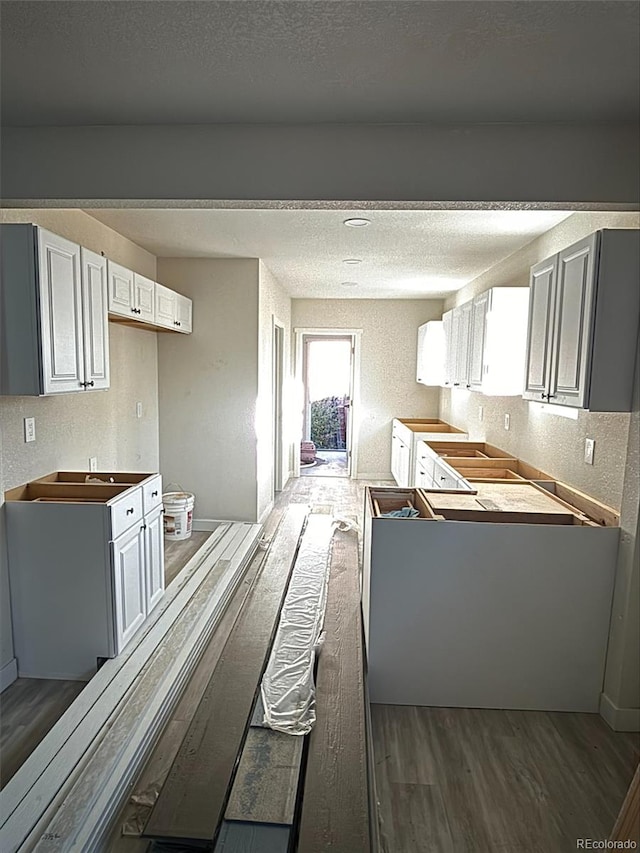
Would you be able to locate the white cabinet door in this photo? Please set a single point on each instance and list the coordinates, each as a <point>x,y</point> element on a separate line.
<point>165,306</point>
<point>462,319</point>
<point>431,353</point>
<point>144,298</point>
<point>129,584</point>
<point>184,314</point>
<point>154,558</point>
<point>540,331</point>
<point>400,461</point>
<point>95,326</point>
<point>449,349</point>
<point>571,357</point>
<point>60,313</point>
<point>121,297</point>
<point>480,307</point>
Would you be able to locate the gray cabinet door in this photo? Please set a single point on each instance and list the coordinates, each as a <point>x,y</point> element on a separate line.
<point>60,313</point>
<point>571,359</point>
<point>477,343</point>
<point>540,331</point>
<point>95,327</point>
<point>129,584</point>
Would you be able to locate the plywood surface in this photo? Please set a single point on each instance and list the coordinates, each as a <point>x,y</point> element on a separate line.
<point>500,497</point>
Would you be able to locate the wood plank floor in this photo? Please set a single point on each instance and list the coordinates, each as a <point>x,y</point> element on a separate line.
<point>30,707</point>
<point>473,781</point>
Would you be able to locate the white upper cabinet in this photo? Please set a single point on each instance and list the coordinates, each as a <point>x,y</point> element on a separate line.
<point>121,294</point>
<point>54,314</point>
<point>583,324</point>
<point>173,310</point>
<point>498,341</point>
<point>144,294</point>
<point>462,344</point>
<point>184,314</point>
<point>165,306</point>
<point>431,353</point>
<point>449,349</point>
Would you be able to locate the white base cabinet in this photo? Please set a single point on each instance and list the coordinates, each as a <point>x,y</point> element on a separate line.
<point>405,435</point>
<point>86,583</point>
<point>486,615</point>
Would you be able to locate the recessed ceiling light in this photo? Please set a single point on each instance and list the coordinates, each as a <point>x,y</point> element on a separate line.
<point>352,261</point>
<point>349,283</point>
<point>357,223</point>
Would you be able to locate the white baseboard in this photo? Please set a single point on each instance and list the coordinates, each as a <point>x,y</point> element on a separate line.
<point>620,719</point>
<point>385,475</point>
<point>8,674</point>
<point>204,525</point>
<point>265,514</point>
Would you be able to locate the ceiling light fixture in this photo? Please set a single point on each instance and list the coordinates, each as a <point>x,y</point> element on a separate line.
<point>352,261</point>
<point>349,283</point>
<point>355,222</point>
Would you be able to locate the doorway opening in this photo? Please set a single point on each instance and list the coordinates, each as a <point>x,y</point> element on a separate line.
<point>326,367</point>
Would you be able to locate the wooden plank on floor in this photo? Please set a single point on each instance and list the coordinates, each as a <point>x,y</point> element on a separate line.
<point>253,838</point>
<point>335,809</point>
<point>192,801</point>
<point>148,786</point>
<point>266,784</point>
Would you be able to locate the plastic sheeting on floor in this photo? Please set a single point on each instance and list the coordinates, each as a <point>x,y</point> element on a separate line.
<point>287,689</point>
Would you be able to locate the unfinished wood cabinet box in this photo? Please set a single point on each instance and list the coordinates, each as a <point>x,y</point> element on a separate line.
<point>406,433</point>
<point>495,600</point>
<point>86,566</point>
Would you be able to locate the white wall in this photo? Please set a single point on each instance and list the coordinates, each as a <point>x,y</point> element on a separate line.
<point>370,162</point>
<point>274,305</point>
<point>72,427</point>
<point>209,387</point>
<point>388,386</point>
<point>556,445</point>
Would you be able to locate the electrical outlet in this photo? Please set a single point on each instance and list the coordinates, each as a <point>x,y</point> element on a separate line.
<point>138,410</point>
<point>93,463</point>
<point>480,413</point>
<point>589,447</point>
<point>507,421</point>
<point>29,429</point>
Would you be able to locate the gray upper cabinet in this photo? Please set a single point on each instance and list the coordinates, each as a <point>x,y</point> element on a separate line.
<point>583,324</point>
<point>54,314</point>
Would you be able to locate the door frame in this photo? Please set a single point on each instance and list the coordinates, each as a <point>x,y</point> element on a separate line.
<point>277,389</point>
<point>354,421</point>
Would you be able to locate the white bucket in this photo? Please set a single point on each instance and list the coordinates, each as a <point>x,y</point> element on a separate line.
<point>178,514</point>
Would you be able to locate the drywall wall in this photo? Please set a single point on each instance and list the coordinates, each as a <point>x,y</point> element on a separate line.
<point>388,386</point>
<point>368,162</point>
<point>274,306</point>
<point>209,387</point>
<point>556,445</point>
<point>72,427</point>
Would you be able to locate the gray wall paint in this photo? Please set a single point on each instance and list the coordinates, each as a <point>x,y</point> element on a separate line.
<point>209,387</point>
<point>476,162</point>
<point>556,445</point>
<point>274,304</point>
<point>388,386</point>
<point>72,427</point>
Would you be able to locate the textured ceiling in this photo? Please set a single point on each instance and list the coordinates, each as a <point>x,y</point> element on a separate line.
<point>266,61</point>
<point>404,254</point>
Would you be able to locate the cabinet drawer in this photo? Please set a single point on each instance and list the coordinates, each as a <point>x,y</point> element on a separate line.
<point>151,494</point>
<point>127,510</point>
<point>444,477</point>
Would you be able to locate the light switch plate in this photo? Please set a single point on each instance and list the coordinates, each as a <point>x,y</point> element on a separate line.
<point>29,429</point>
<point>480,413</point>
<point>589,448</point>
<point>138,410</point>
<point>93,463</point>
<point>507,421</point>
